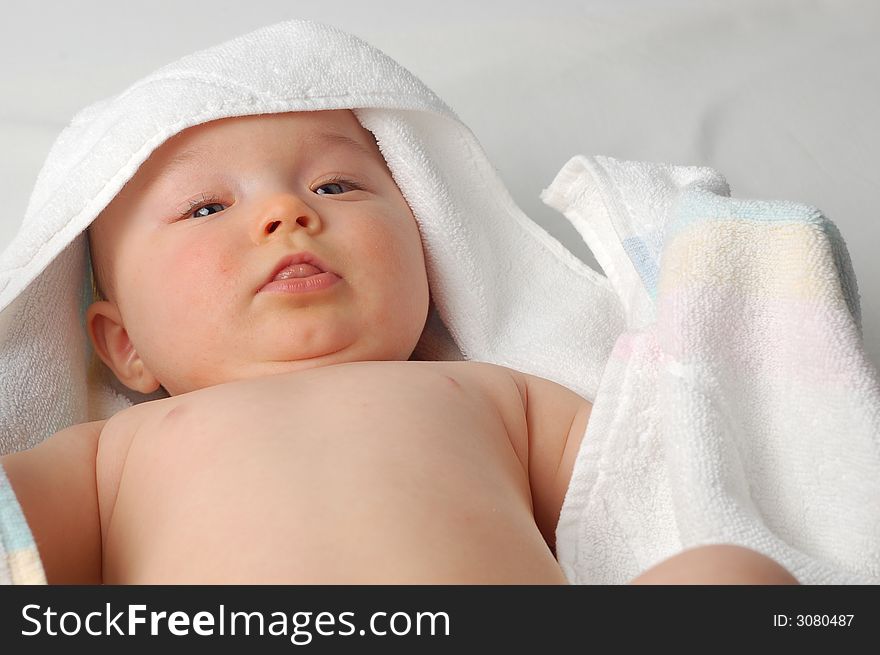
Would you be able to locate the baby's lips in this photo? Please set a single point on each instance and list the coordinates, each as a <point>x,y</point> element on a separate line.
<point>301,264</point>
<point>298,270</point>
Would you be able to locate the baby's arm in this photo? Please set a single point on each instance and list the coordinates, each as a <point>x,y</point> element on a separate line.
<point>55,486</point>
<point>557,418</point>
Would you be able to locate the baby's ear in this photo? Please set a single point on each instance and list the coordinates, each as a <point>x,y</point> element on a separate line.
<point>110,340</point>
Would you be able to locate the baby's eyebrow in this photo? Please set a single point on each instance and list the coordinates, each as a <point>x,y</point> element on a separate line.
<point>186,157</point>
<point>335,138</point>
<point>181,160</point>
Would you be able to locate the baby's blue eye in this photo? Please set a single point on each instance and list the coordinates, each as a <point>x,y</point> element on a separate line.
<point>205,210</point>
<point>338,186</point>
<point>334,185</point>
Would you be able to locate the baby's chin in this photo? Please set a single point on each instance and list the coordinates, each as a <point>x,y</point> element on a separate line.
<point>283,367</point>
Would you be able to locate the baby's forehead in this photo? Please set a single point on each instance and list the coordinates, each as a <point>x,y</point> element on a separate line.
<point>304,124</point>
<point>291,131</point>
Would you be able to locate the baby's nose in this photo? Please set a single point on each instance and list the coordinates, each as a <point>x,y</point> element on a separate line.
<point>286,213</point>
<point>273,224</point>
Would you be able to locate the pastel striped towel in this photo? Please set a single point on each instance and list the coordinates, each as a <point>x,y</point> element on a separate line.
<point>738,406</point>
<point>19,559</point>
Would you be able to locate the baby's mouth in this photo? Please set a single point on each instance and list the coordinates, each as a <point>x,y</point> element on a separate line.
<point>297,270</point>
<point>303,266</point>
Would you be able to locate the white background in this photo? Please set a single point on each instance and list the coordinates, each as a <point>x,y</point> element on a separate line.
<point>783,97</point>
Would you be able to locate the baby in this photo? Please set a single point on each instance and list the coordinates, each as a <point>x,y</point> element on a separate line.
<point>268,274</point>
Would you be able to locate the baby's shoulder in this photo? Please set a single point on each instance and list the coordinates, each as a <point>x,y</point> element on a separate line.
<point>473,370</point>
<point>116,437</point>
<point>499,382</point>
<point>127,421</point>
<point>541,390</point>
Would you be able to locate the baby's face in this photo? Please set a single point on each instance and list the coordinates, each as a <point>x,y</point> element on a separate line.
<point>195,236</point>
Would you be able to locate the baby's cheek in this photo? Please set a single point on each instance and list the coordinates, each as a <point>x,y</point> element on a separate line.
<point>404,257</point>
<point>395,257</point>
<point>201,274</point>
<point>384,247</point>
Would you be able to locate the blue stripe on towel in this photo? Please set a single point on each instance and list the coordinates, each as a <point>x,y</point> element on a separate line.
<point>14,532</point>
<point>645,265</point>
<point>700,205</point>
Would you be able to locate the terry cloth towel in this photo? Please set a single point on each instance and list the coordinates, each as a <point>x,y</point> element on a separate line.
<point>738,406</point>
<point>19,559</point>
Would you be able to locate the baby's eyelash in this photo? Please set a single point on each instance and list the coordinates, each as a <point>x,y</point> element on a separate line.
<point>197,203</point>
<point>338,179</point>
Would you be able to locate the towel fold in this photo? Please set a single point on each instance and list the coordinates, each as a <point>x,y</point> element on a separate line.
<point>739,405</point>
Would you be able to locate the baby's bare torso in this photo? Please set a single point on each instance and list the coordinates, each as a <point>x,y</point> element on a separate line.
<point>373,472</point>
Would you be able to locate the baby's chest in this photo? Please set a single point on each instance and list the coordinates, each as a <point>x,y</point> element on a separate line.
<point>386,419</point>
<point>326,453</point>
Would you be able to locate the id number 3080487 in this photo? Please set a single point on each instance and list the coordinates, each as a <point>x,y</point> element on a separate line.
<point>812,620</point>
